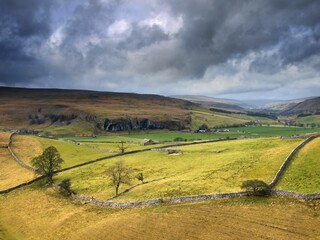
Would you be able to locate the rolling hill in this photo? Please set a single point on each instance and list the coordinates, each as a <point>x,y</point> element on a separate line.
<point>42,108</point>
<point>78,112</point>
<point>210,102</point>
<point>309,106</point>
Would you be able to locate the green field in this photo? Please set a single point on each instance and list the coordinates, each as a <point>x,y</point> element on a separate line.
<point>314,119</point>
<point>27,147</point>
<point>254,131</point>
<point>38,212</point>
<point>204,168</point>
<point>302,175</point>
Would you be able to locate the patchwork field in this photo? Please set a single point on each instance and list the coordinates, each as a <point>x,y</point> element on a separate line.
<point>205,168</point>
<point>43,213</point>
<point>302,175</point>
<point>165,136</point>
<point>33,213</point>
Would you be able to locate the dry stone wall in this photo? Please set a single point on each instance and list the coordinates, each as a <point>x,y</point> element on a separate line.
<point>288,159</point>
<point>21,163</point>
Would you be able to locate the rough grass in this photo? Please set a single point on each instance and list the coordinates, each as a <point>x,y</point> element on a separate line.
<point>213,119</point>
<point>309,120</point>
<point>12,173</point>
<point>302,175</point>
<point>4,138</point>
<point>27,147</point>
<point>42,214</point>
<point>206,168</point>
<point>115,146</point>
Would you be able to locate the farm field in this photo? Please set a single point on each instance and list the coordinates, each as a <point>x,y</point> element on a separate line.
<point>254,131</point>
<point>28,147</point>
<point>52,217</point>
<point>314,119</point>
<point>302,175</point>
<point>12,173</point>
<point>215,119</point>
<point>204,168</point>
<point>4,138</point>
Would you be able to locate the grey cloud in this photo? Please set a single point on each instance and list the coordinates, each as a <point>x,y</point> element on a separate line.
<point>277,33</point>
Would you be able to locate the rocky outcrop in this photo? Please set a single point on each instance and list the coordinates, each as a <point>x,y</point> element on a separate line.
<point>138,124</point>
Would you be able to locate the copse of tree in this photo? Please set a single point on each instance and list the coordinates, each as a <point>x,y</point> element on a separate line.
<point>119,173</point>
<point>48,162</point>
<point>256,187</point>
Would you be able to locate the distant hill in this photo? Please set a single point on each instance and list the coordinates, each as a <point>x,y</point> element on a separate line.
<point>309,106</point>
<point>282,105</point>
<point>42,108</point>
<point>209,102</point>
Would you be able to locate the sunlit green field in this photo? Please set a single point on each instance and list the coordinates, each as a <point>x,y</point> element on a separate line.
<point>27,147</point>
<point>205,168</point>
<point>303,173</point>
<point>255,131</point>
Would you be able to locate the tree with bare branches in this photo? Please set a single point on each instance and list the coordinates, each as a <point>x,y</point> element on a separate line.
<point>122,148</point>
<point>119,173</point>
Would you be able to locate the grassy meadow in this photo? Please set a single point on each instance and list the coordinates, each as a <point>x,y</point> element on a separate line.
<point>302,175</point>
<point>4,138</point>
<point>12,173</point>
<point>314,119</point>
<point>168,136</point>
<point>205,168</point>
<point>33,213</point>
<point>27,147</point>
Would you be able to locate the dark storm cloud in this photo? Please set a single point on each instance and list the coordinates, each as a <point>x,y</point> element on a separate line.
<point>240,45</point>
<point>24,25</point>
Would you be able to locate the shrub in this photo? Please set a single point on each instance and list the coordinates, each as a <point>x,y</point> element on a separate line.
<point>256,187</point>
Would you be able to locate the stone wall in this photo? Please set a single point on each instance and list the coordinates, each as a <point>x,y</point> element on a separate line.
<point>160,200</point>
<point>295,195</point>
<point>21,163</point>
<point>288,159</point>
<point>20,185</point>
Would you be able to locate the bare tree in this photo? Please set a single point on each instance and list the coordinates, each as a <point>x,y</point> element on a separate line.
<point>119,173</point>
<point>122,148</point>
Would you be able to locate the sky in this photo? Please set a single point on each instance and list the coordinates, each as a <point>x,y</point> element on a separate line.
<point>242,49</point>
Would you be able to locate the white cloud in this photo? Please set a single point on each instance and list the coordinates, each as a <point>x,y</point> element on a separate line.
<point>119,30</point>
<point>169,25</point>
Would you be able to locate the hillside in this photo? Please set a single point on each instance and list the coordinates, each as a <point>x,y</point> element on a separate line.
<point>78,112</point>
<point>282,105</point>
<point>210,102</point>
<point>38,108</point>
<point>309,106</point>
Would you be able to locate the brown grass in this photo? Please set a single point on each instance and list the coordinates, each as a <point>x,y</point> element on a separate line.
<point>4,138</point>
<point>42,214</point>
<point>11,173</point>
<point>17,104</point>
<point>26,147</point>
